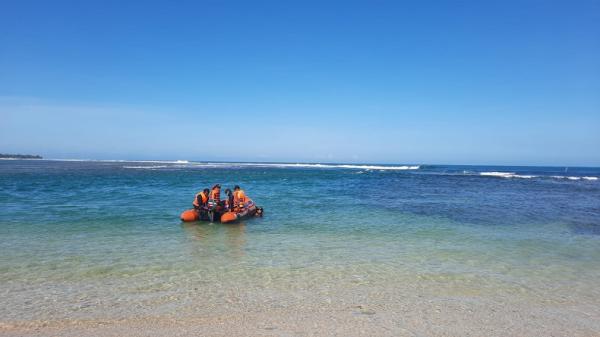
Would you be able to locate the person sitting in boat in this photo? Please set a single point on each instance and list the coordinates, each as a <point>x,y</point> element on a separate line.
<point>240,200</point>
<point>201,199</point>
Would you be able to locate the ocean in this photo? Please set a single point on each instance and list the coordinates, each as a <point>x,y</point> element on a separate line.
<point>102,240</point>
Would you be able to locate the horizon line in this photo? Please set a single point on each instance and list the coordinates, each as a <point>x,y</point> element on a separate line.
<point>185,161</point>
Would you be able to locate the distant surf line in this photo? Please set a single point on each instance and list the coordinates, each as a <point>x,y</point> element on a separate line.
<point>527,176</point>
<point>278,165</point>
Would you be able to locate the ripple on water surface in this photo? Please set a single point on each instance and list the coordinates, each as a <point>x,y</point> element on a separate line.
<point>96,240</point>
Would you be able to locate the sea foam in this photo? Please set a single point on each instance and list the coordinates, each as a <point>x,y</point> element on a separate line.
<point>187,164</point>
<point>525,176</point>
<point>343,166</point>
<point>575,178</point>
<point>506,175</point>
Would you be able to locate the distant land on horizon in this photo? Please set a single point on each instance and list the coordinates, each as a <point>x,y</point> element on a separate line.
<point>20,156</point>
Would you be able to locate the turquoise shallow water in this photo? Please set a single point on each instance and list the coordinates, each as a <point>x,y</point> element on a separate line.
<point>83,240</point>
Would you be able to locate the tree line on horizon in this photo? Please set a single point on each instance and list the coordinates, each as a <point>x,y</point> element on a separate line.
<point>19,156</point>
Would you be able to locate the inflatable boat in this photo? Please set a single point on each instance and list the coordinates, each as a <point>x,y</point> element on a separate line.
<point>217,215</point>
<point>250,212</point>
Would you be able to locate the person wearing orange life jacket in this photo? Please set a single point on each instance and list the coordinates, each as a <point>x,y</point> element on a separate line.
<point>214,198</point>
<point>214,205</point>
<point>240,199</point>
<point>201,199</point>
<point>215,193</point>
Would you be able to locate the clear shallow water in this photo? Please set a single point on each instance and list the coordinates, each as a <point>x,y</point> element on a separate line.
<point>83,240</point>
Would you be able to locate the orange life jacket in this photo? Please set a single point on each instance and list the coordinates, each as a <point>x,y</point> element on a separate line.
<point>202,196</point>
<point>215,194</point>
<point>240,198</point>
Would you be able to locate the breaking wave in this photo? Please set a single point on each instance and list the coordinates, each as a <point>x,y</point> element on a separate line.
<point>526,176</point>
<point>122,161</point>
<point>343,166</point>
<point>186,164</point>
<point>149,167</point>
<point>575,178</point>
<point>506,175</point>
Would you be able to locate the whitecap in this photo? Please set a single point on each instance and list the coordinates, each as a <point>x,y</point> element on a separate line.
<point>332,166</point>
<point>506,175</point>
<point>235,164</point>
<point>148,167</point>
<point>576,178</point>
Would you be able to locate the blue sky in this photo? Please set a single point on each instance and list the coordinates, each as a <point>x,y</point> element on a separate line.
<point>480,82</point>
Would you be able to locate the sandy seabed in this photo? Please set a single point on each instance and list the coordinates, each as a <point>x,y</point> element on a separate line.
<point>372,313</point>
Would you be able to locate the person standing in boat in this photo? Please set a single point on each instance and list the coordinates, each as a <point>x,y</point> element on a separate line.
<point>215,194</point>
<point>229,203</point>
<point>215,206</point>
